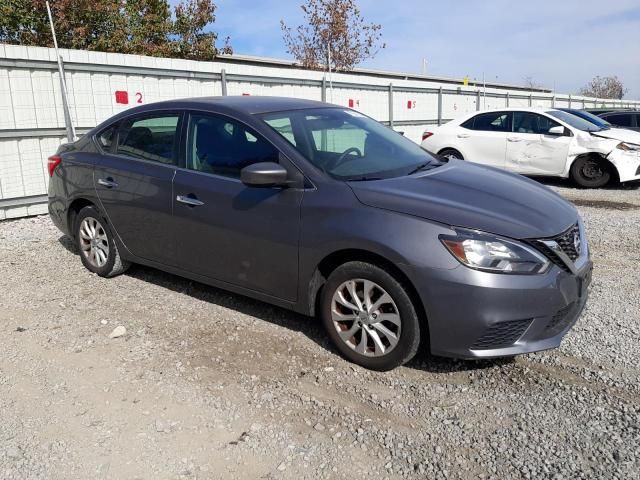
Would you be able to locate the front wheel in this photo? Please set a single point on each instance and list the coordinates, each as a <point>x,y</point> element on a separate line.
<point>451,154</point>
<point>370,317</point>
<point>590,172</point>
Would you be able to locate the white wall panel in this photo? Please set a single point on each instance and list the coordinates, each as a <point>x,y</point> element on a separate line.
<point>30,99</point>
<point>24,108</point>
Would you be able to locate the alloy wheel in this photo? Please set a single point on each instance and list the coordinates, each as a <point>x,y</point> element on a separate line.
<point>94,243</point>
<point>366,317</point>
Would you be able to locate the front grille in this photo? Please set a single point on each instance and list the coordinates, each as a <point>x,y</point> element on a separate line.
<point>551,255</point>
<point>565,242</point>
<point>559,321</point>
<point>503,334</point>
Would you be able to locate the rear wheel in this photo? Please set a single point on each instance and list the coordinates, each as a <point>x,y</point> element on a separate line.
<point>98,250</point>
<point>451,154</point>
<point>369,316</point>
<point>591,172</point>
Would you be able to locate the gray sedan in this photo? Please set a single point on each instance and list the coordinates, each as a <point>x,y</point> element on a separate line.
<point>324,211</point>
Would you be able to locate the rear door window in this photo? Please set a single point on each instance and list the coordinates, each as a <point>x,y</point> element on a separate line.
<point>490,122</point>
<point>152,137</point>
<point>106,138</point>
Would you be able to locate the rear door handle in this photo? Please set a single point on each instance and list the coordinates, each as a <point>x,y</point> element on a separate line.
<point>187,200</point>
<point>108,182</point>
<point>463,135</point>
<point>514,139</point>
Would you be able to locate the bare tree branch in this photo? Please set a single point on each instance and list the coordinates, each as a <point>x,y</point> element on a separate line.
<point>604,87</point>
<point>334,24</point>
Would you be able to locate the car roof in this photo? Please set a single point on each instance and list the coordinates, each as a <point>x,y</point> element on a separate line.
<point>515,109</point>
<point>623,112</point>
<point>245,103</point>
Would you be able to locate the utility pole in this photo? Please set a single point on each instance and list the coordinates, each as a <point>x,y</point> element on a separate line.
<point>484,92</point>
<point>330,76</point>
<point>71,132</point>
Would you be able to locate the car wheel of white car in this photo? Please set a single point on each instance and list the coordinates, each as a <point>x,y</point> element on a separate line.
<point>451,154</point>
<point>590,172</point>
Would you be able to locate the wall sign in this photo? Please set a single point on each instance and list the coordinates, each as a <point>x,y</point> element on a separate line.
<point>122,97</point>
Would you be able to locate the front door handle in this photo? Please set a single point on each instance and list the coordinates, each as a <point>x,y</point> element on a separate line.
<point>514,139</point>
<point>189,200</point>
<point>107,182</point>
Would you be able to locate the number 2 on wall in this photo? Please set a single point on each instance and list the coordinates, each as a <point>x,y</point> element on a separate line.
<point>138,97</point>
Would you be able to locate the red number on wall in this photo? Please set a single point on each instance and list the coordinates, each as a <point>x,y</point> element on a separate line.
<point>139,97</point>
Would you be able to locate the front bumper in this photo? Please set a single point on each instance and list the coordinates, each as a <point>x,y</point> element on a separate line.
<point>627,163</point>
<point>473,314</point>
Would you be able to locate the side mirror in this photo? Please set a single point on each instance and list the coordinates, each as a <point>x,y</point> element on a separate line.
<point>264,174</point>
<point>557,131</point>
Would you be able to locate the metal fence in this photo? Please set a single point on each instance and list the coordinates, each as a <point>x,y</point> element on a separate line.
<point>32,114</point>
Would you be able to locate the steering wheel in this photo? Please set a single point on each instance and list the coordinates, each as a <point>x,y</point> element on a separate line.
<point>339,160</point>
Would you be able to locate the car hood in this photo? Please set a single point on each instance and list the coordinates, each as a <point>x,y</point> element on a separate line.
<point>473,196</point>
<point>621,134</point>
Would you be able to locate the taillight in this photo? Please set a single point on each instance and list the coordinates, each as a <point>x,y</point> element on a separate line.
<point>52,162</point>
<point>426,135</point>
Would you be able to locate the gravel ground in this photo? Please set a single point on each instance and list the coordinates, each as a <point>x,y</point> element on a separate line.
<point>207,384</point>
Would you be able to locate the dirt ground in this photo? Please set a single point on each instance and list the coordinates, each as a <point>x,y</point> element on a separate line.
<point>207,384</point>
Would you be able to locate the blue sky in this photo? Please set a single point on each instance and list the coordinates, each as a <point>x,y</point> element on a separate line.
<point>557,42</point>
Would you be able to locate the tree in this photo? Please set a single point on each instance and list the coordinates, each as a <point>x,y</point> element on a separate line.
<point>604,87</point>
<point>334,25</point>
<point>80,24</point>
<point>144,27</point>
<point>193,42</point>
<point>531,83</point>
<point>148,25</point>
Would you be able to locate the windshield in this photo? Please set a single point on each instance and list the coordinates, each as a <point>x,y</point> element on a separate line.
<point>589,117</point>
<point>348,145</point>
<point>575,121</point>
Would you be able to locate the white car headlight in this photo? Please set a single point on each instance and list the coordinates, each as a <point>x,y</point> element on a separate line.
<point>628,147</point>
<point>490,253</point>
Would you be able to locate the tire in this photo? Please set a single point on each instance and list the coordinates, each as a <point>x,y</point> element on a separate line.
<point>451,154</point>
<point>591,172</point>
<point>398,333</point>
<point>98,251</point>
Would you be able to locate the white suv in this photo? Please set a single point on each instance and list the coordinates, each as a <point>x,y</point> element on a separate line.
<point>539,141</point>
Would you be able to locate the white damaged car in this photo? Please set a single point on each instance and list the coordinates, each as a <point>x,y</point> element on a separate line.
<point>540,141</point>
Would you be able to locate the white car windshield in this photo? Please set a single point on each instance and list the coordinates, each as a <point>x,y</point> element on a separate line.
<point>348,145</point>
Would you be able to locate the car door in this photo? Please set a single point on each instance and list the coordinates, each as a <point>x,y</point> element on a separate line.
<point>482,138</point>
<point>133,181</point>
<point>245,236</point>
<point>531,149</point>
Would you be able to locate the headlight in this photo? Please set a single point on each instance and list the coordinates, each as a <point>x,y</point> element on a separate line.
<point>490,253</point>
<point>628,147</point>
